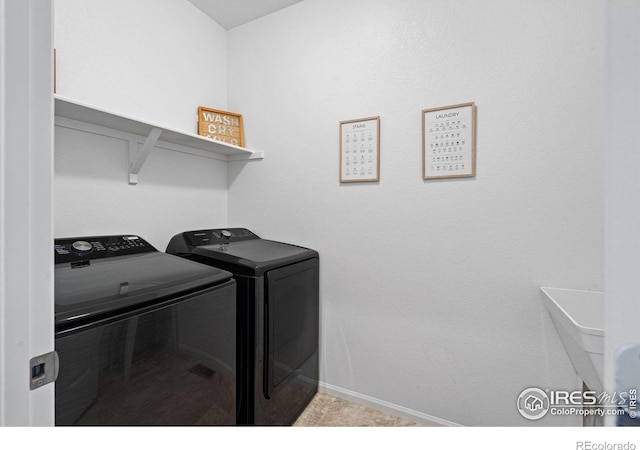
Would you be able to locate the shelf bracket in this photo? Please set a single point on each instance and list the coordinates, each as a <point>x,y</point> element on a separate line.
<point>138,157</point>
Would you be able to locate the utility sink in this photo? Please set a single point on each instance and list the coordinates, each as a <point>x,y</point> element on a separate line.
<point>579,319</point>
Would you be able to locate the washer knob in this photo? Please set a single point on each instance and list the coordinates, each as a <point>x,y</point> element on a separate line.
<point>82,246</point>
<point>226,235</point>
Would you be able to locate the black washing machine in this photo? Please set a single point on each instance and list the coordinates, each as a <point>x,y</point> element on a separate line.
<point>278,318</point>
<point>143,338</point>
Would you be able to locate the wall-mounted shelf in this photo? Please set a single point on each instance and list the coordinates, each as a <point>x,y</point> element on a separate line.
<point>143,136</point>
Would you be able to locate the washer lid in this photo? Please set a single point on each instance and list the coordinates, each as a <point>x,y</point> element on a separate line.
<point>252,257</point>
<point>106,285</point>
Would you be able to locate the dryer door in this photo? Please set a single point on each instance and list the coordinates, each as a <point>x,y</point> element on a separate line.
<point>291,322</point>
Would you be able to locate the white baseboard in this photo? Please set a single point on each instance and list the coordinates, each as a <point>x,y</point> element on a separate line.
<point>388,408</point>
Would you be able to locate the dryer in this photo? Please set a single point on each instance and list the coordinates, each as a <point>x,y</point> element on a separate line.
<point>278,318</point>
<point>143,338</point>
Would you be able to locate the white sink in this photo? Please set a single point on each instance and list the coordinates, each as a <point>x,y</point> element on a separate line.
<point>579,319</point>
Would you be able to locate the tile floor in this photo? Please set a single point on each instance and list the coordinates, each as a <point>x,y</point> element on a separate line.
<point>328,411</point>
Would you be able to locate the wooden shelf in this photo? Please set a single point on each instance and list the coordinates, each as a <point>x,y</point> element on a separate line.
<point>143,135</point>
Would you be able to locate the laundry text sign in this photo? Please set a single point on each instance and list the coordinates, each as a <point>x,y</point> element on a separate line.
<point>448,141</point>
<point>222,126</point>
<point>360,150</point>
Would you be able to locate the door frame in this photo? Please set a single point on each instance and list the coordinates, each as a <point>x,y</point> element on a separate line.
<point>621,187</point>
<point>26,208</point>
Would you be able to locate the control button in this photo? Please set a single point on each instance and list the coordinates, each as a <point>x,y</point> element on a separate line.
<point>226,234</point>
<point>82,246</point>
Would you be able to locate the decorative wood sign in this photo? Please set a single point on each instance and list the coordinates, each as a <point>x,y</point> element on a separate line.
<point>448,141</point>
<point>222,126</point>
<point>360,150</point>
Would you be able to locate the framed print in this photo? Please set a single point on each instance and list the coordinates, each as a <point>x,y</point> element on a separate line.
<point>360,150</point>
<point>448,142</point>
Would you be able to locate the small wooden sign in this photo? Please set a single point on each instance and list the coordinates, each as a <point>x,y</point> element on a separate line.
<point>222,126</point>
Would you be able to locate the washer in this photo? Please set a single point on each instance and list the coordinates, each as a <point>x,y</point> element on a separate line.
<point>278,318</point>
<point>143,338</point>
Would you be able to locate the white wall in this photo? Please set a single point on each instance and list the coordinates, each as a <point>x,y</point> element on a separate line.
<point>176,191</point>
<point>154,59</point>
<point>157,60</point>
<point>430,290</point>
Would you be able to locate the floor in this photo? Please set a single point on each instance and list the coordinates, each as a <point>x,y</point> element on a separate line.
<point>327,411</point>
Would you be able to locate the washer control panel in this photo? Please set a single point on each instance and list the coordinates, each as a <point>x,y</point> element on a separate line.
<point>218,236</point>
<point>87,248</point>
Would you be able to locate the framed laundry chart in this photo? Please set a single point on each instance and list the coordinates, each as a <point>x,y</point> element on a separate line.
<point>448,141</point>
<point>360,150</point>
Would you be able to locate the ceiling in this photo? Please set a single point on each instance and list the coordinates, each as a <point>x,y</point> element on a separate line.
<point>231,13</point>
